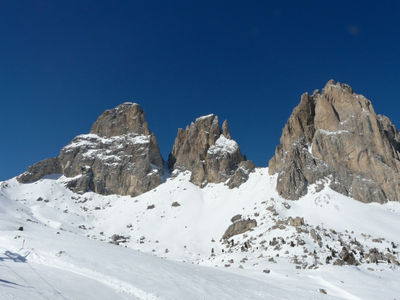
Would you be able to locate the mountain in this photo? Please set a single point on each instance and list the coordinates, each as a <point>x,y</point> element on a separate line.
<point>105,219</point>
<point>120,155</point>
<point>335,137</point>
<point>209,152</point>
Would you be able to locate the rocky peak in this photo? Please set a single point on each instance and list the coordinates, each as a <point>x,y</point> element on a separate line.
<point>191,145</point>
<point>209,153</point>
<point>126,118</point>
<point>225,129</point>
<point>336,135</point>
<point>120,155</point>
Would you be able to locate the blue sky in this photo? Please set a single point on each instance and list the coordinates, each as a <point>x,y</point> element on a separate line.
<point>62,63</point>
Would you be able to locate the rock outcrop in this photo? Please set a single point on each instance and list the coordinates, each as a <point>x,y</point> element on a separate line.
<point>209,153</point>
<point>238,227</point>
<point>40,169</point>
<point>120,155</point>
<point>336,135</point>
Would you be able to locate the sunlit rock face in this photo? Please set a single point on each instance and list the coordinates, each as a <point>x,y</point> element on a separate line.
<point>336,135</point>
<point>120,155</point>
<point>207,150</point>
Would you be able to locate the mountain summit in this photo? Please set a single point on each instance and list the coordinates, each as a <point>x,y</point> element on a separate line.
<point>336,134</point>
<point>120,155</point>
<point>209,153</point>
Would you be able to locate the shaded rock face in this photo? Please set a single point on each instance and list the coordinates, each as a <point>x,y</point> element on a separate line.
<point>120,155</point>
<point>336,134</point>
<point>40,169</point>
<point>209,153</point>
<point>241,174</point>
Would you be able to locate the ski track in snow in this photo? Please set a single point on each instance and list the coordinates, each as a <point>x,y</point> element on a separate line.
<point>340,292</point>
<point>116,284</point>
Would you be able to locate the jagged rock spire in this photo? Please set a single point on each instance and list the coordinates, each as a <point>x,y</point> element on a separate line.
<point>209,153</point>
<point>225,130</point>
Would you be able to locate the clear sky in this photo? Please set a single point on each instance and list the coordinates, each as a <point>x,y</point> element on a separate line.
<point>62,63</point>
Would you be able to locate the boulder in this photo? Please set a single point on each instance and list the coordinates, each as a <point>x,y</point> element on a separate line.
<point>348,257</point>
<point>297,221</point>
<point>236,218</point>
<point>239,227</point>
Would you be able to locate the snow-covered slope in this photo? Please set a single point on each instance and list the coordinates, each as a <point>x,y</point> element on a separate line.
<point>85,246</point>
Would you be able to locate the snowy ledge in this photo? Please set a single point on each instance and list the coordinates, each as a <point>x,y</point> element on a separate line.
<point>204,117</point>
<point>223,145</point>
<point>91,140</point>
<point>327,132</point>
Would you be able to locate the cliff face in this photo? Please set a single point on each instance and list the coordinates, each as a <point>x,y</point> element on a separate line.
<point>336,134</point>
<point>209,153</point>
<point>119,156</point>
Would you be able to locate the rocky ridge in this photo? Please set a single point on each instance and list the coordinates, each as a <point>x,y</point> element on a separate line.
<point>208,151</point>
<point>335,136</point>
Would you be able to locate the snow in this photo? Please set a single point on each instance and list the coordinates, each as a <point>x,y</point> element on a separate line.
<point>93,140</point>
<point>109,150</point>
<point>140,139</point>
<point>327,132</point>
<point>223,145</point>
<point>310,148</point>
<point>130,103</point>
<point>64,250</point>
<point>204,117</point>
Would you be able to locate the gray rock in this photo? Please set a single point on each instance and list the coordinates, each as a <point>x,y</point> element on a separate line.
<point>236,218</point>
<point>84,183</point>
<point>336,134</point>
<point>117,239</point>
<point>239,227</point>
<point>392,259</point>
<point>322,291</point>
<point>316,237</point>
<point>338,262</point>
<point>374,256</point>
<point>297,221</point>
<point>347,257</point>
<point>241,175</point>
<point>42,168</point>
<point>209,153</point>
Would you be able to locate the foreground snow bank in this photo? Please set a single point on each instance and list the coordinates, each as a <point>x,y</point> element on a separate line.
<point>63,250</point>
